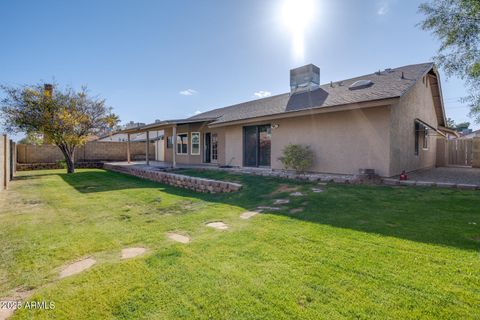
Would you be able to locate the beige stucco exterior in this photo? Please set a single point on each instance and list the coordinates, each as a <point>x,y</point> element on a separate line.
<point>376,135</point>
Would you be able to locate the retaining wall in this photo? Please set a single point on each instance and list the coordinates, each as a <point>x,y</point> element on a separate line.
<point>177,180</point>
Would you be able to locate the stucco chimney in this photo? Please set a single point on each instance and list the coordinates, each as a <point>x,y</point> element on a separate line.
<point>306,78</point>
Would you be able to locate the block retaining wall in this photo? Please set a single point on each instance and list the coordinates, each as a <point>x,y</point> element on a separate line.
<point>177,180</point>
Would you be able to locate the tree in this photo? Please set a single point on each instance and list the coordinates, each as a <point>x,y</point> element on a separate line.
<point>63,117</point>
<point>32,138</point>
<point>462,126</point>
<point>450,123</point>
<point>456,23</point>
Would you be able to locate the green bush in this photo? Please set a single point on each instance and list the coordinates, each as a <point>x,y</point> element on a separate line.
<point>297,157</point>
<point>62,164</point>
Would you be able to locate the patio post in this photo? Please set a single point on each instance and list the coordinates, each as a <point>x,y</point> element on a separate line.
<point>174,145</point>
<point>147,142</point>
<point>128,147</point>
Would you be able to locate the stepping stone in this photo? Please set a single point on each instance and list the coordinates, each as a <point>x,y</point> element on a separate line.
<point>77,267</point>
<point>268,208</point>
<point>296,194</point>
<point>248,214</point>
<point>281,201</point>
<point>129,253</point>
<point>317,190</point>
<point>178,237</point>
<point>219,225</point>
<point>296,210</point>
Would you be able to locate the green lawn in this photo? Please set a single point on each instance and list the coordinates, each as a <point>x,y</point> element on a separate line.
<point>355,252</point>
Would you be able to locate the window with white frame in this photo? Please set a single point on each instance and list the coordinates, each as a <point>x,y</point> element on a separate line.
<point>195,145</point>
<point>182,143</point>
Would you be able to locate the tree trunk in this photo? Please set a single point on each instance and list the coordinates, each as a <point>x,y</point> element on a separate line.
<point>69,154</point>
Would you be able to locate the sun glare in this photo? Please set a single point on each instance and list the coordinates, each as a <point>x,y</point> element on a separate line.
<point>297,15</point>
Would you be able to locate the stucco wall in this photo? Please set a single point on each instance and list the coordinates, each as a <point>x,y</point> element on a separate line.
<point>195,159</point>
<point>343,142</point>
<point>416,104</point>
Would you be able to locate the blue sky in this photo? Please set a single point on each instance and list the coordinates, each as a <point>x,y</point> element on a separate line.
<point>169,59</point>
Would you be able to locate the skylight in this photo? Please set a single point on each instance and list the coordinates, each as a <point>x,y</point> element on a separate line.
<point>361,84</point>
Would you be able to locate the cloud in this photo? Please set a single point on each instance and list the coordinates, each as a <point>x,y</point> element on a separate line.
<point>262,94</point>
<point>383,7</point>
<point>197,112</point>
<point>188,92</point>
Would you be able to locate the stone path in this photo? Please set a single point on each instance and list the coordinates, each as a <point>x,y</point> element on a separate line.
<point>268,208</point>
<point>219,225</point>
<point>129,253</point>
<point>281,201</point>
<point>77,267</point>
<point>18,295</point>
<point>296,194</point>
<point>178,237</point>
<point>248,214</point>
<point>317,190</point>
<point>296,210</point>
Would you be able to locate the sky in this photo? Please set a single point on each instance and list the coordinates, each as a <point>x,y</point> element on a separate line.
<point>172,59</point>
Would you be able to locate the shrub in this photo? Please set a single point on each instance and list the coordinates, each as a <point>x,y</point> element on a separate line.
<point>297,157</point>
<point>62,164</point>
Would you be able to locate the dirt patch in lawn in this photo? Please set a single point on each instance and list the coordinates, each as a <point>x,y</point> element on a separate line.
<point>283,188</point>
<point>77,267</point>
<point>129,253</point>
<point>248,214</point>
<point>20,294</point>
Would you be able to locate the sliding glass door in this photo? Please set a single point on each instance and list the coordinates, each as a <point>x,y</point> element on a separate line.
<point>257,146</point>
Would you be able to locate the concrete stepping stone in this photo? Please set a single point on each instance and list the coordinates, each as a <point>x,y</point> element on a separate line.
<point>77,267</point>
<point>248,214</point>
<point>178,237</point>
<point>219,225</point>
<point>296,210</point>
<point>268,208</point>
<point>296,194</point>
<point>281,201</point>
<point>129,253</point>
<point>317,190</point>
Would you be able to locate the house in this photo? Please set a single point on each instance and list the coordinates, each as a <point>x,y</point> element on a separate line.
<point>388,121</point>
<point>472,134</point>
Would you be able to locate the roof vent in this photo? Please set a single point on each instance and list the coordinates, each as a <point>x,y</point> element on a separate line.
<point>306,78</point>
<point>361,84</point>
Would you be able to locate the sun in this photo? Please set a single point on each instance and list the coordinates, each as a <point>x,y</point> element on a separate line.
<point>297,16</point>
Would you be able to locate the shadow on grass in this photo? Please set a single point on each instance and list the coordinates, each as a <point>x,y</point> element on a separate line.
<point>428,215</point>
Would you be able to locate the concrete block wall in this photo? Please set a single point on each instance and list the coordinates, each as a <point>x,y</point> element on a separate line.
<point>92,151</point>
<point>5,173</point>
<point>177,180</point>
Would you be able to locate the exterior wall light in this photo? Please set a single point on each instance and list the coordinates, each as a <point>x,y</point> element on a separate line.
<point>275,126</point>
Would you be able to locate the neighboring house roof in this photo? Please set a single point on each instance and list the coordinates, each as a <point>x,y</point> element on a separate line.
<point>391,83</point>
<point>471,135</point>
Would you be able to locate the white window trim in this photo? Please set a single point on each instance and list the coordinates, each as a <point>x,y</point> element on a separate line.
<point>176,144</point>
<point>191,143</point>
<point>425,138</point>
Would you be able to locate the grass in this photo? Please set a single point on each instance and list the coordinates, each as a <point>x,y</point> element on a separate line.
<point>354,252</point>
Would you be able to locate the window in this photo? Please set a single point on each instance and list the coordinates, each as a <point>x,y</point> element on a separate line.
<point>195,143</point>
<point>425,138</point>
<point>182,143</point>
<point>417,134</point>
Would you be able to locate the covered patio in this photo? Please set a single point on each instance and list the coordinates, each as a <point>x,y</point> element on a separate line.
<point>173,148</point>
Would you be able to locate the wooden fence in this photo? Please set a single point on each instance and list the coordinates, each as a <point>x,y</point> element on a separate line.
<point>459,152</point>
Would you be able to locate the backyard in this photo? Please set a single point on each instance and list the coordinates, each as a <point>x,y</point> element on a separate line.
<point>344,251</point>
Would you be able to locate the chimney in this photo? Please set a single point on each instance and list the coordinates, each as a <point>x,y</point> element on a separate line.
<point>306,78</point>
<point>48,90</point>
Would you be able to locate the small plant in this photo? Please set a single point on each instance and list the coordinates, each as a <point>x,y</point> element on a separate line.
<point>297,157</point>
<point>62,164</point>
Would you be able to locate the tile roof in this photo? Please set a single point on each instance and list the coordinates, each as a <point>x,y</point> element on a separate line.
<point>386,84</point>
